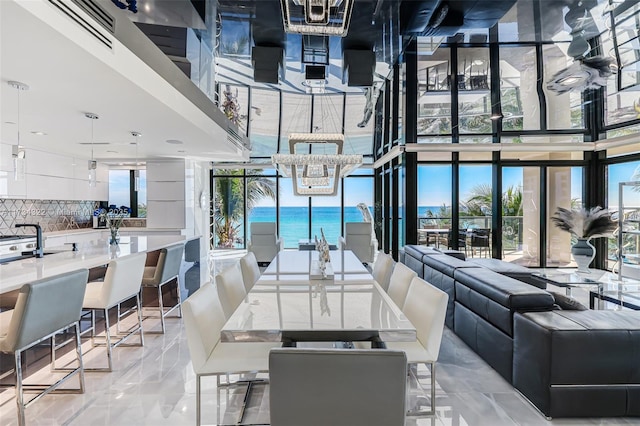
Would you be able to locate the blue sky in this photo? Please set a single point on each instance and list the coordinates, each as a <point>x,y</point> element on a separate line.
<point>434,182</point>
<point>622,173</point>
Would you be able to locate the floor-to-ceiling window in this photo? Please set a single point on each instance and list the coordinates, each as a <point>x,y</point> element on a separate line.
<point>564,189</point>
<point>434,203</point>
<point>622,172</point>
<point>476,194</point>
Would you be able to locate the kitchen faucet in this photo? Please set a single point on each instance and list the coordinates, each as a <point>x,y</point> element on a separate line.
<point>38,252</point>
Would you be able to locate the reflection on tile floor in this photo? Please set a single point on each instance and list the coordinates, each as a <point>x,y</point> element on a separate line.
<point>155,385</point>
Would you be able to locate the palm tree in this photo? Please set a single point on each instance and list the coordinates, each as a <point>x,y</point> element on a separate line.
<point>230,201</point>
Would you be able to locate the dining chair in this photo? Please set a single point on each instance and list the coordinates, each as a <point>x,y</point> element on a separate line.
<point>399,283</point>
<point>121,283</point>
<point>43,309</point>
<point>481,239</point>
<point>425,307</point>
<point>231,288</point>
<point>264,242</point>
<point>338,387</point>
<point>203,322</point>
<point>382,269</point>
<point>166,271</point>
<point>359,238</point>
<point>250,270</point>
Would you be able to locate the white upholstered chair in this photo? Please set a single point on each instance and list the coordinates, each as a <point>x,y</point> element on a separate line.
<point>263,241</point>
<point>121,282</point>
<point>250,270</point>
<point>166,271</point>
<point>231,289</point>
<point>425,306</point>
<point>43,309</point>
<point>399,283</point>
<point>337,387</point>
<point>203,321</point>
<point>382,269</point>
<point>359,238</point>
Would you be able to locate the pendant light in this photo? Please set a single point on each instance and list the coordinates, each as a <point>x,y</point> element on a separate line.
<point>93,164</point>
<point>18,152</point>
<point>136,171</point>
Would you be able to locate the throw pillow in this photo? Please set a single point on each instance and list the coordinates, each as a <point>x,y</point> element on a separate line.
<point>568,303</point>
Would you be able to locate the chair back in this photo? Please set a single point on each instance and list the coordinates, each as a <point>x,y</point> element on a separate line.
<point>122,279</point>
<point>399,283</point>
<point>358,239</point>
<point>250,270</point>
<point>426,306</point>
<point>263,241</point>
<point>382,269</point>
<point>231,288</point>
<point>337,387</point>
<point>263,233</point>
<point>44,307</point>
<point>203,321</point>
<point>168,264</point>
<point>480,237</point>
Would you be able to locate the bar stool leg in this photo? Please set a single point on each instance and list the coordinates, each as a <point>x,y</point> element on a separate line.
<point>107,328</point>
<point>19,390</point>
<point>139,305</point>
<point>161,307</point>
<point>79,356</point>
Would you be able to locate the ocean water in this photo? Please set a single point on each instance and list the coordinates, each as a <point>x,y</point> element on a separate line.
<point>294,221</point>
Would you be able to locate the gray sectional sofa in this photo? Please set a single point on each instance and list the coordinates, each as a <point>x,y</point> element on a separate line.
<point>567,363</point>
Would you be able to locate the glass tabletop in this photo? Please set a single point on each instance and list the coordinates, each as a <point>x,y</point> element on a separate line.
<point>317,312</point>
<point>299,262</point>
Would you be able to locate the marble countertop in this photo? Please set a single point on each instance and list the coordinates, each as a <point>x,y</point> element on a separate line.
<point>124,228</point>
<point>90,254</point>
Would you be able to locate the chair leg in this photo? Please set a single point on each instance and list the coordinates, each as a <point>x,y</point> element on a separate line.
<point>179,297</point>
<point>107,328</point>
<point>139,307</point>
<point>19,390</point>
<point>433,394</point>
<point>198,377</point>
<point>79,356</point>
<point>161,308</point>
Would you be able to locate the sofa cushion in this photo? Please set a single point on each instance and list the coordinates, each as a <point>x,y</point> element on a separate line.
<point>446,264</point>
<point>506,291</point>
<point>578,363</point>
<point>512,270</point>
<point>567,303</point>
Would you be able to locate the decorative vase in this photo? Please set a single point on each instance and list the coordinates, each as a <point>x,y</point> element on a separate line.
<point>114,238</point>
<point>583,253</point>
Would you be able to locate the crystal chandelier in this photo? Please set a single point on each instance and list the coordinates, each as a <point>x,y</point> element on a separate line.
<point>317,17</point>
<point>316,173</point>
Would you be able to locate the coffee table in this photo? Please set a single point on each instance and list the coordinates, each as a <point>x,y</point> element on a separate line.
<point>567,279</point>
<point>625,293</point>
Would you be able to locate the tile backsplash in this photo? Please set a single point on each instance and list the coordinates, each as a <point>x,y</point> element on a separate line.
<point>52,215</point>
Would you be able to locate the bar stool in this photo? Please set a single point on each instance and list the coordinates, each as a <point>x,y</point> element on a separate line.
<point>166,270</point>
<point>121,283</point>
<point>43,309</point>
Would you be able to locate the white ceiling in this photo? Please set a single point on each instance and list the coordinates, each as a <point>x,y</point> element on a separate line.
<point>70,74</point>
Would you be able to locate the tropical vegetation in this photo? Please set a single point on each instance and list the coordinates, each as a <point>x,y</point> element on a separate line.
<point>230,196</point>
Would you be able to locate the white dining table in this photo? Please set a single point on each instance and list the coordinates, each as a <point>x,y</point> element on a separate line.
<point>286,305</point>
<point>295,267</point>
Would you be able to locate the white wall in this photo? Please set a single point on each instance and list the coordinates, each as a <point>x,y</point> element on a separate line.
<point>51,176</point>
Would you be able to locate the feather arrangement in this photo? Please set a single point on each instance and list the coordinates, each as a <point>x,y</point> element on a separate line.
<point>585,223</point>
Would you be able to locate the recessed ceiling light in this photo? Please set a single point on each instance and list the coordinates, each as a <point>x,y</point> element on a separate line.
<point>10,122</point>
<point>113,152</point>
<point>181,151</point>
<point>174,141</point>
<point>38,133</point>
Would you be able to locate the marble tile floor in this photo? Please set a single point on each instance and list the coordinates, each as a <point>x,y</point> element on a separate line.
<point>155,385</point>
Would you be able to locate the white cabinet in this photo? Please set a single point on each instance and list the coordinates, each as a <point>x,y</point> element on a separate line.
<point>166,194</point>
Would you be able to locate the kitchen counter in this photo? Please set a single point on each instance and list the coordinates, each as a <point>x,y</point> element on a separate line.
<point>90,254</point>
